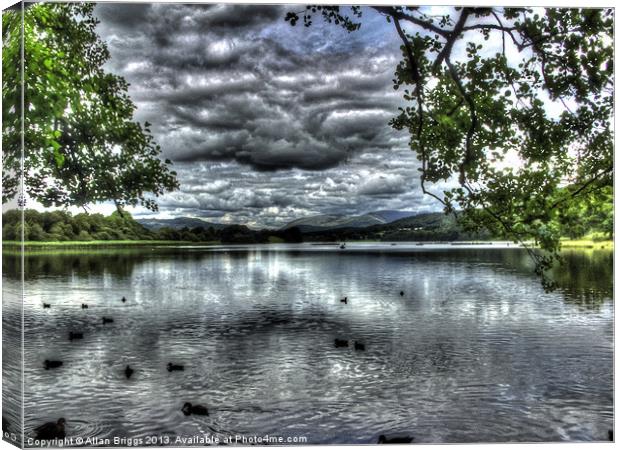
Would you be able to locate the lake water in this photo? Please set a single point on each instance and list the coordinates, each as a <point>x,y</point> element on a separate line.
<point>474,351</point>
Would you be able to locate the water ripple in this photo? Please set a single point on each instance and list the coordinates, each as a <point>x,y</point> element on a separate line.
<point>475,351</point>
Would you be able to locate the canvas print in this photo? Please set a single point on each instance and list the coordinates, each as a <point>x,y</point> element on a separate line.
<point>250,224</point>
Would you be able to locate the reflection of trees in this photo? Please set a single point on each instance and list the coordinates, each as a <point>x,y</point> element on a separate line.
<point>83,263</point>
<point>585,277</point>
<point>61,264</point>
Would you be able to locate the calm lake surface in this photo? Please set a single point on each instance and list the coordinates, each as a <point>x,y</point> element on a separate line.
<point>474,351</point>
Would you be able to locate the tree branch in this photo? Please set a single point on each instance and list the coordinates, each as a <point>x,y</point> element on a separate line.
<point>413,67</point>
<point>467,159</point>
<point>420,101</point>
<point>451,39</point>
<point>591,181</point>
<point>396,13</point>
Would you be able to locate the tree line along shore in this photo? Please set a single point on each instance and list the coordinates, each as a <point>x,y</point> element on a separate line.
<point>63,229</point>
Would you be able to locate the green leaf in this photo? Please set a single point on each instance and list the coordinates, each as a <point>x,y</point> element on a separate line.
<point>59,158</point>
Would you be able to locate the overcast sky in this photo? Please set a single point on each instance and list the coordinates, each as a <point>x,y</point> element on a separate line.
<point>266,123</point>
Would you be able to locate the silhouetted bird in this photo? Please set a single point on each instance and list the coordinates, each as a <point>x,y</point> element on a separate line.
<point>107,320</point>
<point>359,346</point>
<point>344,300</point>
<point>52,364</point>
<point>128,372</point>
<point>46,305</point>
<point>84,306</point>
<point>199,410</point>
<point>73,335</point>
<point>123,299</point>
<point>51,430</point>
<point>172,367</point>
<point>610,435</point>
<point>341,343</point>
<point>402,293</point>
<point>395,439</point>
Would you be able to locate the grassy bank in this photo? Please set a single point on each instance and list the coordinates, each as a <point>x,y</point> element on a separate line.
<point>588,243</point>
<point>96,244</point>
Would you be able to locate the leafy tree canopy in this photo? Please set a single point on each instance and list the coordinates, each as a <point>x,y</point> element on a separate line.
<point>513,105</point>
<point>62,226</point>
<point>80,142</point>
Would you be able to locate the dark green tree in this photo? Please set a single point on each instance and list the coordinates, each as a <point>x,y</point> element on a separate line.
<point>483,117</point>
<point>81,144</point>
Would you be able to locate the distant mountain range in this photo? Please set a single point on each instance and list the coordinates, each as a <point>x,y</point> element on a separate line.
<point>380,226</point>
<point>326,222</point>
<point>322,222</point>
<point>435,226</point>
<point>178,223</point>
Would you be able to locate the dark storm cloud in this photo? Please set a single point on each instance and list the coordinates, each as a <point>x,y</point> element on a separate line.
<point>123,17</point>
<point>383,184</point>
<point>237,16</point>
<point>205,18</point>
<point>234,193</point>
<point>251,88</point>
<point>266,123</point>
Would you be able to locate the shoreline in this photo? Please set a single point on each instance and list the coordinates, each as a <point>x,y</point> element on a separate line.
<point>60,245</point>
<point>15,245</point>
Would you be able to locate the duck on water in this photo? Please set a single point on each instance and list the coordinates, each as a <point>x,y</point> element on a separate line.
<point>383,439</point>
<point>197,410</point>
<point>75,335</point>
<point>341,343</point>
<point>50,364</point>
<point>51,430</point>
<point>172,367</point>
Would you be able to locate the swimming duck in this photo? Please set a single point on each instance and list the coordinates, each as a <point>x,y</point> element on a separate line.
<point>52,364</point>
<point>84,306</point>
<point>128,372</point>
<point>402,293</point>
<point>610,435</point>
<point>198,410</point>
<point>344,300</point>
<point>51,430</point>
<point>172,367</point>
<point>395,440</point>
<point>73,335</point>
<point>341,343</point>
<point>46,305</point>
<point>359,346</point>
<point>123,299</point>
<point>107,320</point>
